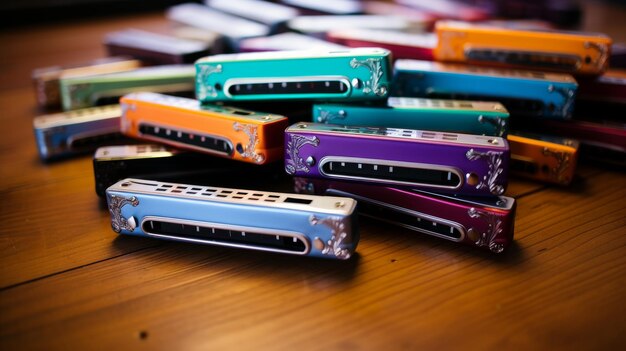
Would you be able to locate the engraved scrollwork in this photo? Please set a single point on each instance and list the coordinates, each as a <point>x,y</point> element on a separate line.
<point>494,229</point>
<point>204,88</point>
<point>326,116</point>
<point>249,151</point>
<point>568,98</point>
<point>376,73</point>
<point>294,162</point>
<point>338,236</point>
<point>562,164</point>
<point>490,180</point>
<point>602,49</point>
<point>118,222</point>
<point>499,124</point>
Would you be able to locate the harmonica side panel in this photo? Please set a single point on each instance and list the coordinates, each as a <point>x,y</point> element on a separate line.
<point>446,167</point>
<point>339,77</point>
<point>543,160</point>
<point>418,114</point>
<point>571,52</point>
<point>473,224</point>
<point>520,95</point>
<point>262,226</point>
<point>212,132</point>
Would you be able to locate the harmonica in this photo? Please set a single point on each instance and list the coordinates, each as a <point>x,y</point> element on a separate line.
<point>270,14</point>
<point>233,28</point>
<point>47,79</point>
<point>571,52</point>
<point>75,132</point>
<point>320,25</point>
<point>470,117</point>
<point>460,163</point>
<point>155,48</point>
<point>335,7</point>
<point>523,93</point>
<point>548,159</point>
<point>597,133</point>
<point>158,162</point>
<point>418,46</point>
<point>296,224</point>
<point>355,74</point>
<point>487,223</point>
<point>449,9</point>
<point>218,130</point>
<point>80,92</point>
<point>287,41</point>
<point>609,87</point>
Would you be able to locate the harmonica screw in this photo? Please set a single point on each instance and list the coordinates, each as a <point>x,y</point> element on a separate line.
<point>310,161</point>
<point>472,234</point>
<point>472,179</point>
<point>493,141</point>
<point>356,83</point>
<point>340,204</point>
<point>302,126</point>
<point>318,244</point>
<point>239,148</point>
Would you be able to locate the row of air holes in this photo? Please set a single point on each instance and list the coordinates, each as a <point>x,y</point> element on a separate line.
<point>430,135</point>
<point>517,73</point>
<point>221,193</point>
<point>435,103</point>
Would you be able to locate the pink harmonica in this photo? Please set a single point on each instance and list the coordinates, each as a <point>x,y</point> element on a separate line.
<point>487,223</point>
<point>417,46</point>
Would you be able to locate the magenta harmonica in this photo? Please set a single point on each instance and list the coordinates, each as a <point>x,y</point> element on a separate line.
<point>487,223</point>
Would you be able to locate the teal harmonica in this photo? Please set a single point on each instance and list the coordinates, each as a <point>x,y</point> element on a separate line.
<point>87,91</point>
<point>469,117</point>
<point>347,75</point>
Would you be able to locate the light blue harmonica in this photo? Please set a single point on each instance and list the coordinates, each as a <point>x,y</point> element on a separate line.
<point>523,93</point>
<point>345,75</point>
<point>308,225</point>
<point>469,117</point>
<point>87,91</point>
<point>67,133</point>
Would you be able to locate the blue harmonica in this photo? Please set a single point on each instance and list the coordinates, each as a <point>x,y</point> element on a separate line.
<point>352,74</point>
<point>308,225</point>
<point>523,93</point>
<point>64,134</point>
<point>470,117</point>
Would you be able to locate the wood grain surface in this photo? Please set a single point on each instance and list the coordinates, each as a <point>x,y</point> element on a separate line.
<point>68,282</point>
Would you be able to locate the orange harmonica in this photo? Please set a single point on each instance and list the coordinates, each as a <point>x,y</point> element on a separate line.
<point>218,130</point>
<point>572,52</point>
<point>547,159</point>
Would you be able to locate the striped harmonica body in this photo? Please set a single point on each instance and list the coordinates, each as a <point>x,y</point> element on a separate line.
<point>354,74</point>
<point>218,130</point>
<point>571,52</point>
<point>446,162</point>
<point>276,222</point>
<point>80,92</point>
<point>75,132</point>
<point>548,159</point>
<point>487,223</point>
<point>471,117</point>
<point>523,93</point>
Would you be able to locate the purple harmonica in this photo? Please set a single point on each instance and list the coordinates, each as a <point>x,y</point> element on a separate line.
<point>446,162</point>
<point>485,222</point>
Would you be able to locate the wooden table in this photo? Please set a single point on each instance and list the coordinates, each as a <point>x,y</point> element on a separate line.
<point>68,282</point>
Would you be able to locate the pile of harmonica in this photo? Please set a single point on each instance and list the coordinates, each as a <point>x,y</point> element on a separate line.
<point>426,142</point>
